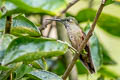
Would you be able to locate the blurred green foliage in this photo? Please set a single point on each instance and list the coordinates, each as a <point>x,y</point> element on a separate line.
<point>107,22</point>
<point>51,7</point>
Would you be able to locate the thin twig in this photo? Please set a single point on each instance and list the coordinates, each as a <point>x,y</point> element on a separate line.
<point>84,42</point>
<point>8,24</point>
<point>68,7</point>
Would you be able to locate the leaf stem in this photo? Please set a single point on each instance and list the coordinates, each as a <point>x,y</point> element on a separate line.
<point>84,42</point>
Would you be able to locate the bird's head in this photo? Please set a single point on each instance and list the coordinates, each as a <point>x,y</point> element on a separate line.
<point>66,21</point>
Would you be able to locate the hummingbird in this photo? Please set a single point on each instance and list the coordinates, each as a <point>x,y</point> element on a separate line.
<point>76,36</point>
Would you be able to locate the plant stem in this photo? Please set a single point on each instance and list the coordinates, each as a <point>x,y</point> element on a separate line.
<point>68,7</point>
<point>84,42</point>
<point>11,78</point>
<point>8,24</point>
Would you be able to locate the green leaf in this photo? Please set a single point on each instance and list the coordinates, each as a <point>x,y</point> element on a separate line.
<point>95,49</point>
<point>101,77</point>
<point>95,52</point>
<point>58,68</point>
<point>107,22</point>
<point>80,67</point>
<point>22,70</point>
<point>38,64</point>
<point>4,42</point>
<point>3,68</point>
<point>85,15</point>
<point>109,2</point>
<point>29,49</point>
<point>106,72</point>
<point>52,7</point>
<point>4,75</point>
<point>110,24</point>
<point>44,75</point>
<point>2,23</point>
<point>68,14</point>
<point>107,60</point>
<point>22,26</point>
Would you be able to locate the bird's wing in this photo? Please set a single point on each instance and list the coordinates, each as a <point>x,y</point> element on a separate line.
<point>86,59</point>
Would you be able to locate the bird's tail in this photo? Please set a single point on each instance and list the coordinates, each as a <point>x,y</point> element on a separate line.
<point>86,59</point>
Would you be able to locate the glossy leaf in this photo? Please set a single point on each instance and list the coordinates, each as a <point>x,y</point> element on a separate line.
<point>95,52</point>
<point>38,64</point>
<point>29,49</point>
<point>107,22</point>
<point>3,68</point>
<point>51,7</point>
<point>95,49</point>
<point>44,75</point>
<point>22,26</point>
<point>22,70</point>
<point>2,23</point>
<point>4,42</point>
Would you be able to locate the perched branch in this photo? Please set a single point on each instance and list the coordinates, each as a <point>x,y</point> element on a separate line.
<point>62,12</point>
<point>8,24</point>
<point>84,42</point>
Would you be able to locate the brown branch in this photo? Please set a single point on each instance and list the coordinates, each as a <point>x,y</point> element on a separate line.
<point>84,42</point>
<point>62,12</point>
<point>8,24</point>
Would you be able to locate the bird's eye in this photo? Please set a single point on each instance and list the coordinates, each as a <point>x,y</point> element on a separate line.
<point>69,20</point>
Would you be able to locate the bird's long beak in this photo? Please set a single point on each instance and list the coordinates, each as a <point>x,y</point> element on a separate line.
<point>59,20</point>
